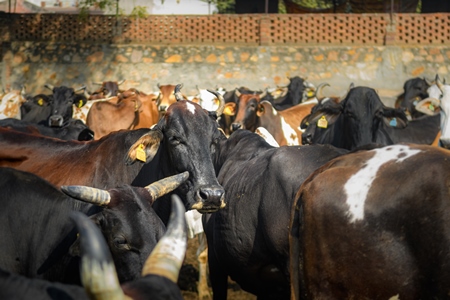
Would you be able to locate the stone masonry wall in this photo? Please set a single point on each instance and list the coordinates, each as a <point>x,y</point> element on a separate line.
<point>257,67</point>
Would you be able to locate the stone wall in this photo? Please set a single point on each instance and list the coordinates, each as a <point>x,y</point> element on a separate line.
<point>257,67</point>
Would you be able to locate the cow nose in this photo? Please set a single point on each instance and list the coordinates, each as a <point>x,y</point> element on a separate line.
<point>306,139</point>
<point>211,196</point>
<point>55,121</point>
<point>162,107</point>
<point>235,126</point>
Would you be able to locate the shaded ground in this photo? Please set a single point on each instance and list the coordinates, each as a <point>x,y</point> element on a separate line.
<point>189,277</point>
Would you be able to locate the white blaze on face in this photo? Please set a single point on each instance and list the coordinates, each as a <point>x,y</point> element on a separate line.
<point>190,107</point>
<point>358,185</point>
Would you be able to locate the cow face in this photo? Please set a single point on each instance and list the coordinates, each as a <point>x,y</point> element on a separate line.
<point>165,98</point>
<point>36,109</point>
<point>106,90</point>
<point>10,104</point>
<point>63,99</point>
<point>187,136</point>
<point>296,88</point>
<point>248,111</point>
<point>415,89</point>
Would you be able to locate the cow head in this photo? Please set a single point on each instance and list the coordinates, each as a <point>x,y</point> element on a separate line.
<point>188,136</point>
<point>165,97</point>
<point>36,109</point>
<point>10,104</point>
<point>248,111</point>
<point>63,99</point>
<point>107,89</point>
<point>414,90</point>
<point>296,88</point>
<point>129,224</point>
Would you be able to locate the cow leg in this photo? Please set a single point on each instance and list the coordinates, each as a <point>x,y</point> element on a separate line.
<point>219,279</point>
<point>202,257</point>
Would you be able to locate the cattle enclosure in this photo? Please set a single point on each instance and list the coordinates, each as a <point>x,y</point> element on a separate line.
<point>257,51</point>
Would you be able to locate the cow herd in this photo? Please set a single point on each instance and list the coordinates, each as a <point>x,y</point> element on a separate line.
<point>301,196</point>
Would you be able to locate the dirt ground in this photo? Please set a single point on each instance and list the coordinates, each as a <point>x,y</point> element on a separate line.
<point>189,278</point>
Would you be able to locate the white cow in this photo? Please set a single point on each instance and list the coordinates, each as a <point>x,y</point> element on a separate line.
<point>10,104</point>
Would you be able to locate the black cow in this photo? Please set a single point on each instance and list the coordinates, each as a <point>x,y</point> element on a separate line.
<point>294,95</point>
<point>248,239</point>
<point>98,271</point>
<point>359,230</point>
<point>414,90</point>
<point>73,130</point>
<point>38,237</point>
<point>361,118</point>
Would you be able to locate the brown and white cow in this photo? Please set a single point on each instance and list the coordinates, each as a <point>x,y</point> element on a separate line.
<point>374,225</point>
<point>133,109</point>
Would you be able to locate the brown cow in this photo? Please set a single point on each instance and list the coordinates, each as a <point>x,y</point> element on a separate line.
<point>133,109</point>
<point>165,98</point>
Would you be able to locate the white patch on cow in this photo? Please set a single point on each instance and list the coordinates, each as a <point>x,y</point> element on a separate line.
<point>395,297</point>
<point>274,111</point>
<point>289,133</point>
<point>358,185</point>
<point>10,105</point>
<point>261,131</point>
<point>445,113</point>
<point>190,107</point>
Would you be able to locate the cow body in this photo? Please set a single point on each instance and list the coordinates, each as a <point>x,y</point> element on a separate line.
<point>132,110</point>
<point>73,130</point>
<point>362,119</point>
<point>95,163</point>
<point>356,235</point>
<point>248,239</point>
<point>10,104</point>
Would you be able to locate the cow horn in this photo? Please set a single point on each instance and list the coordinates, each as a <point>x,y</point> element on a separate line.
<point>196,86</point>
<point>429,82</point>
<point>221,107</point>
<point>168,255</point>
<point>87,194</point>
<point>263,94</point>
<point>439,84</point>
<point>236,91</point>
<point>120,82</point>
<point>98,273</point>
<point>166,185</point>
<point>49,86</point>
<point>319,89</point>
<point>109,94</point>
<point>23,91</point>
<point>177,92</point>
<point>98,83</point>
<point>81,88</point>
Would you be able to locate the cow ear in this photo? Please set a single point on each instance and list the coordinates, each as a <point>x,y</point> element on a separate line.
<point>230,109</point>
<point>261,110</point>
<point>79,100</point>
<point>145,148</point>
<point>429,106</point>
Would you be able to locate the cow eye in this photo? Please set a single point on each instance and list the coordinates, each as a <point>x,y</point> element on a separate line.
<point>120,242</point>
<point>174,141</point>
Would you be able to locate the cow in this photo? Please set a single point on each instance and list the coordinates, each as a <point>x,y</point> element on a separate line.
<point>10,104</point>
<point>99,273</point>
<point>294,94</point>
<point>35,215</point>
<point>361,118</point>
<point>132,109</point>
<point>63,99</point>
<point>73,130</point>
<point>248,239</point>
<point>354,234</point>
<point>166,97</point>
<point>414,90</point>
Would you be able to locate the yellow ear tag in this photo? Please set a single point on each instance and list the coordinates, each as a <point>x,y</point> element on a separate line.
<point>322,123</point>
<point>80,104</point>
<point>140,153</point>
<point>40,102</point>
<point>310,94</point>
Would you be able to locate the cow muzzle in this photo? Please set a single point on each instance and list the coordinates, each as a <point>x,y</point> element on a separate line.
<point>55,121</point>
<point>209,200</point>
<point>235,126</point>
<point>444,143</point>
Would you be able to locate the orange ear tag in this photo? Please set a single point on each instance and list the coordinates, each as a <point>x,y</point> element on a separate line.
<point>322,123</point>
<point>140,153</point>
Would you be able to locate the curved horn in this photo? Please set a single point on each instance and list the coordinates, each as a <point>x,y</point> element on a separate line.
<point>98,83</point>
<point>81,88</point>
<point>177,92</point>
<point>221,107</point>
<point>196,86</point>
<point>167,257</point>
<point>263,94</point>
<point>98,273</point>
<point>166,185</point>
<point>439,84</point>
<point>429,82</point>
<point>120,82</point>
<point>87,194</point>
<point>236,91</point>
<point>319,89</point>
<point>86,94</point>
<point>352,85</point>
<point>109,94</point>
<point>23,90</point>
<point>49,86</point>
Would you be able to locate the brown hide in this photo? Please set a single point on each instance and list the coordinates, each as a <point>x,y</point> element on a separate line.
<point>131,110</point>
